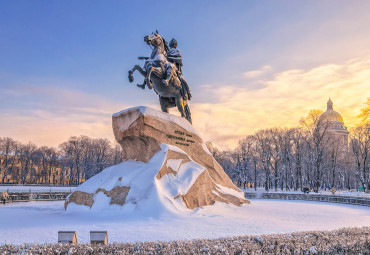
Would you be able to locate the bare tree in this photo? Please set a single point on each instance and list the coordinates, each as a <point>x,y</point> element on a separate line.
<point>226,159</point>
<point>297,157</point>
<point>8,152</point>
<point>287,159</point>
<point>102,149</point>
<point>275,136</point>
<point>73,151</point>
<point>365,113</point>
<point>244,155</point>
<point>263,150</point>
<point>48,162</point>
<point>27,157</point>
<point>318,141</point>
<point>360,145</point>
<point>116,154</point>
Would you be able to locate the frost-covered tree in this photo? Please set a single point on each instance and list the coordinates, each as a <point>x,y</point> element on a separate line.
<point>360,147</point>
<point>27,157</point>
<point>8,149</point>
<point>365,113</point>
<point>318,143</point>
<point>244,157</point>
<point>263,152</point>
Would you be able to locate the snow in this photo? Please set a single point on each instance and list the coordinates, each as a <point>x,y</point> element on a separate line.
<point>174,164</point>
<point>144,195</point>
<point>205,148</point>
<point>312,249</point>
<point>133,173</point>
<point>146,191</point>
<point>181,183</point>
<point>147,111</point>
<point>226,190</point>
<point>39,222</point>
<point>186,176</point>
<point>151,213</point>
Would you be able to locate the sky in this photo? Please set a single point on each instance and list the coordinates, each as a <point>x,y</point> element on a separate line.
<point>250,64</point>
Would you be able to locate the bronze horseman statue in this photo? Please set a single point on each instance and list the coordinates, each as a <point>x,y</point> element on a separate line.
<point>162,71</point>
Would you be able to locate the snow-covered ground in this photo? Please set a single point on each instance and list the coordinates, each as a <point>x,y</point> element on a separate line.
<point>34,189</point>
<point>321,192</point>
<point>39,222</point>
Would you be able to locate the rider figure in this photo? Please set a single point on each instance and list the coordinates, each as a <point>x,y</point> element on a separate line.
<point>173,55</point>
<point>175,62</point>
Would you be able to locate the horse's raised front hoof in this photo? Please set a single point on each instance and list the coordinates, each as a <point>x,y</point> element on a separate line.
<point>142,86</point>
<point>130,76</point>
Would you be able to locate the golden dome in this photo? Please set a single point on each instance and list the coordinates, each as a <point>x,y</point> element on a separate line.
<point>330,114</point>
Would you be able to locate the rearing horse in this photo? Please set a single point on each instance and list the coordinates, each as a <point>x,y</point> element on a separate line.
<point>154,71</point>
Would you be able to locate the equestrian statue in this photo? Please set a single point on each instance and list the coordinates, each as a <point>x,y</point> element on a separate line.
<point>162,72</point>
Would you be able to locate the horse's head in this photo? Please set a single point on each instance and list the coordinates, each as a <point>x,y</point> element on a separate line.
<point>159,44</point>
<point>153,39</point>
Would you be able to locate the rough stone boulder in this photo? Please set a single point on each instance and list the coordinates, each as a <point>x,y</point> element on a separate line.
<point>166,161</point>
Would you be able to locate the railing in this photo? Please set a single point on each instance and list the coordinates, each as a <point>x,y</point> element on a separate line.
<point>35,189</point>
<point>311,197</point>
<point>26,197</point>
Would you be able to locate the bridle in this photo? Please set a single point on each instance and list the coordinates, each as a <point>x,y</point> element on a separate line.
<point>152,47</point>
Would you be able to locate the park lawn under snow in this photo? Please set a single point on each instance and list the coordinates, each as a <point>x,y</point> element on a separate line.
<point>39,222</point>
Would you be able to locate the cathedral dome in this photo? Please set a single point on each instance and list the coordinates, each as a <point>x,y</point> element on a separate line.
<point>330,114</point>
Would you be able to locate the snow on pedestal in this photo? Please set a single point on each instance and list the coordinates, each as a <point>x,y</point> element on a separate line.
<point>167,165</point>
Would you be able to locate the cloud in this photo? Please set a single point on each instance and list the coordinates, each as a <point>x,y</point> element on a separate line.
<point>282,100</point>
<point>257,73</point>
<point>48,115</point>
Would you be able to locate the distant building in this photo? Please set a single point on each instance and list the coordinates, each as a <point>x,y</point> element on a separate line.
<point>335,126</point>
<point>36,174</point>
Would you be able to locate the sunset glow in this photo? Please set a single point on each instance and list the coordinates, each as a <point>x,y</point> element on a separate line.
<point>250,66</point>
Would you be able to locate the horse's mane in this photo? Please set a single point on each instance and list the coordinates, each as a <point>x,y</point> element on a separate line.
<point>166,48</point>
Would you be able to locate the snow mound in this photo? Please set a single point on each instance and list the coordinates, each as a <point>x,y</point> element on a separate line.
<point>151,186</point>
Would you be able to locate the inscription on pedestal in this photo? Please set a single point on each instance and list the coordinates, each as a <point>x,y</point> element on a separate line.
<point>183,138</point>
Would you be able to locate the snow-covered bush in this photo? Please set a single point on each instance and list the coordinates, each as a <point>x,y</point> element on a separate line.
<point>342,241</point>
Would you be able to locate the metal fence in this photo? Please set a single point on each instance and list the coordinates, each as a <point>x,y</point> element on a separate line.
<point>311,197</point>
<point>26,197</point>
<point>35,189</point>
